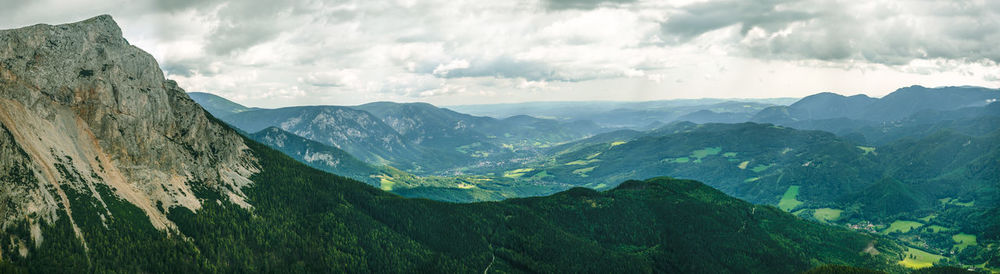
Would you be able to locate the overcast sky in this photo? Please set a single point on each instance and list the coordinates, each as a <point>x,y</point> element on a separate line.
<point>271,53</point>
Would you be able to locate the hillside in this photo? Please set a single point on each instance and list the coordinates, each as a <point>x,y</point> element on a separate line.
<point>942,183</point>
<point>630,115</point>
<point>285,216</point>
<point>316,155</point>
<point>357,132</point>
<point>899,104</point>
<point>216,105</point>
<point>757,162</point>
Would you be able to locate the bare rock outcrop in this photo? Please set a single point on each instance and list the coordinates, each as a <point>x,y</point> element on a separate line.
<point>81,107</point>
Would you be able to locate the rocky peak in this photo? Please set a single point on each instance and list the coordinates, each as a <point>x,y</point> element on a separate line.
<point>81,107</point>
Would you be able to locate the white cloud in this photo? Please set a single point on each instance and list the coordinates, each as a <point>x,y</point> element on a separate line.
<point>443,69</point>
<point>275,53</point>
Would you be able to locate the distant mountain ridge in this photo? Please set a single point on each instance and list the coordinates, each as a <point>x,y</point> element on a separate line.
<point>897,105</point>
<point>216,105</point>
<point>358,132</point>
<point>417,137</point>
<point>316,155</point>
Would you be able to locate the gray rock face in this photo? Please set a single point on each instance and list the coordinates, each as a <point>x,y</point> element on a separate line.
<point>79,107</point>
<point>358,132</point>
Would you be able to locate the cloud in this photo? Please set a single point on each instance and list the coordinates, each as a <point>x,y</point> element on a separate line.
<point>503,67</point>
<point>407,85</point>
<point>443,69</point>
<point>771,15</point>
<point>343,52</point>
<point>892,33</point>
<point>335,78</point>
<point>582,4</point>
<point>181,69</point>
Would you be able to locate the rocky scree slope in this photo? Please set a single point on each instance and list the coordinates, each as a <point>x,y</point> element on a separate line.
<point>82,110</point>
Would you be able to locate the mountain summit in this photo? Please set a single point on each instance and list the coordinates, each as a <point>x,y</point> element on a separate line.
<point>83,111</point>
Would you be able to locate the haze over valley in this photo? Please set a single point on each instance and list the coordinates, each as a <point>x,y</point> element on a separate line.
<point>602,137</point>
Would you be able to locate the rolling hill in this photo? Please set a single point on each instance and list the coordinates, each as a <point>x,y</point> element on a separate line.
<point>899,104</point>
<point>216,105</point>
<point>316,154</point>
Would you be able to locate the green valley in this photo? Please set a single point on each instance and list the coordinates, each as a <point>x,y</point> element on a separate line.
<point>107,166</point>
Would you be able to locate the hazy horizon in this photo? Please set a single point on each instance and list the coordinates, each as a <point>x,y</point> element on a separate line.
<point>576,101</point>
<point>266,54</point>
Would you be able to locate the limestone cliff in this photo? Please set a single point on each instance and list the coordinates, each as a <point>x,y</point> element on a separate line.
<point>81,107</point>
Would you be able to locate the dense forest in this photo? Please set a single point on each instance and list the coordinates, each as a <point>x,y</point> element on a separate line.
<point>303,219</point>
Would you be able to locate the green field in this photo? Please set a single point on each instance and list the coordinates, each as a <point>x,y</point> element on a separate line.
<point>937,228</point>
<point>702,153</point>
<point>679,160</point>
<point>916,258</point>
<point>760,168</point>
<point>827,214</point>
<point>950,201</point>
<point>386,184</point>
<point>583,171</point>
<point>541,175</point>
<point>867,149</point>
<point>928,218</point>
<point>788,201</point>
<point>743,165</point>
<point>902,226</point>
<point>466,149</point>
<point>581,162</point>
<point>963,240</point>
<point>517,173</point>
<point>618,143</point>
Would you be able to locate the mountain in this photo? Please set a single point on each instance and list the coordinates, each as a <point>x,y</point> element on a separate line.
<point>417,137</point>
<point>757,162</point>
<point>761,162</point>
<point>427,125</point>
<point>909,100</point>
<point>708,116</point>
<point>358,132</point>
<point>974,121</point>
<point>444,129</point>
<point>316,154</point>
<point>890,197</point>
<point>634,115</point>
<point>85,114</point>
<point>640,114</point>
<point>94,137</point>
<point>897,105</point>
<point>217,105</point>
<point>942,182</point>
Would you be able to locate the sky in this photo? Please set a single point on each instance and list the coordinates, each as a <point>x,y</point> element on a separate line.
<point>268,53</point>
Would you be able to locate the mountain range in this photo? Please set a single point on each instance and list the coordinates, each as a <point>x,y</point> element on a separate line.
<point>416,137</point>
<point>109,167</point>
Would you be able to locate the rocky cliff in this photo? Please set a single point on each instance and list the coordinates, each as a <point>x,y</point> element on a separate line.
<point>81,108</point>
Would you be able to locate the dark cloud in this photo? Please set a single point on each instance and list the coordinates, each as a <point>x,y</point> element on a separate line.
<point>244,24</point>
<point>885,33</point>
<point>697,19</point>
<point>180,69</point>
<point>240,36</point>
<point>190,67</point>
<point>581,4</point>
<point>179,5</point>
<point>501,67</point>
